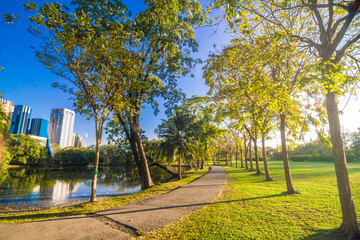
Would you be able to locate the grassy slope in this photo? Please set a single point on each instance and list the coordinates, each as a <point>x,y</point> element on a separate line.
<point>250,208</point>
<point>88,208</point>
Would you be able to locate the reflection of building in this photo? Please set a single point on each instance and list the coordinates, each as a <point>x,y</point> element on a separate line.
<point>62,190</point>
<point>39,127</point>
<point>61,127</point>
<point>8,107</point>
<point>20,120</point>
<point>78,141</point>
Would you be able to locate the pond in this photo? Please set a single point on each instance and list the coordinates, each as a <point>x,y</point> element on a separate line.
<point>30,188</point>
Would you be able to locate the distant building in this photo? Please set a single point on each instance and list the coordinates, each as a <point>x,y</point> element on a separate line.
<point>78,141</point>
<point>39,127</point>
<point>8,107</point>
<point>61,127</point>
<point>20,120</point>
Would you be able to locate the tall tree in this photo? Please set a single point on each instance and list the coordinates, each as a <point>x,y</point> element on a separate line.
<point>4,132</point>
<point>81,48</point>
<point>162,41</point>
<point>330,29</point>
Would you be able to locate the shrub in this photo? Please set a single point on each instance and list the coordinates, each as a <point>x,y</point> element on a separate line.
<point>320,158</point>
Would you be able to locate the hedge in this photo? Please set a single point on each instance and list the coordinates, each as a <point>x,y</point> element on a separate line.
<point>320,158</point>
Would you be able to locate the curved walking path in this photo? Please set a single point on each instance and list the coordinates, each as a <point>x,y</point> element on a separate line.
<point>128,221</point>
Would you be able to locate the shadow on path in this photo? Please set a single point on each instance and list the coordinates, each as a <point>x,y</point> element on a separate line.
<point>70,215</point>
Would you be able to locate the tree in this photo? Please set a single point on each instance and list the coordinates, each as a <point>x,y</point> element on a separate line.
<point>178,137</point>
<point>4,132</point>
<point>85,49</point>
<point>330,29</point>
<point>355,142</point>
<point>162,40</point>
<point>205,126</point>
<point>26,150</point>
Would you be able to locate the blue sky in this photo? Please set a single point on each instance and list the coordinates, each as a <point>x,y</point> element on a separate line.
<point>25,81</point>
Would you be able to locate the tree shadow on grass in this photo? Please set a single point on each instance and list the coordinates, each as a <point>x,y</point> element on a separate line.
<point>332,234</point>
<point>76,213</point>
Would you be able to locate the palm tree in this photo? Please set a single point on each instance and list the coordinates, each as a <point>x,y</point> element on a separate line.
<point>177,133</point>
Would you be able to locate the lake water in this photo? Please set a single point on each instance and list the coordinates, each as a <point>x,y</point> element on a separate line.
<point>41,188</point>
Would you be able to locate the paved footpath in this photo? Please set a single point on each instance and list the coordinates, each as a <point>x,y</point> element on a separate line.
<point>125,222</point>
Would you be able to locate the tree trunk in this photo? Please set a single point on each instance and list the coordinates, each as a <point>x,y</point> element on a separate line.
<point>250,157</point>
<point>246,152</point>
<point>236,156</point>
<point>143,168</point>
<point>98,133</point>
<point>2,148</point>
<point>132,133</point>
<point>241,158</point>
<point>219,158</point>
<point>349,224</point>
<point>180,176</point>
<point>230,156</point>
<point>258,171</point>
<point>165,168</point>
<point>266,166</point>
<point>226,159</point>
<point>206,156</point>
<point>289,185</point>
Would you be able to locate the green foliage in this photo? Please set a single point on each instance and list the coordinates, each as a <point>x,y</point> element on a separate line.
<point>178,138</point>
<point>355,143</point>
<point>151,148</point>
<point>116,153</point>
<point>25,150</point>
<point>4,135</point>
<point>316,147</point>
<point>74,156</point>
<point>320,158</point>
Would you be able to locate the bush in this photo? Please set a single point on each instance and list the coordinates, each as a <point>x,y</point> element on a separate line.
<point>74,156</point>
<point>320,158</point>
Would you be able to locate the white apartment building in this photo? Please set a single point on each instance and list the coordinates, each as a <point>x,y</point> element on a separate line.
<point>8,107</point>
<point>61,127</point>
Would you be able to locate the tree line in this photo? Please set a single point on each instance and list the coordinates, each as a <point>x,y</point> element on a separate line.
<point>283,71</point>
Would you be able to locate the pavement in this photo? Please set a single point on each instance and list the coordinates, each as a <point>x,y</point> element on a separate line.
<point>128,221</point>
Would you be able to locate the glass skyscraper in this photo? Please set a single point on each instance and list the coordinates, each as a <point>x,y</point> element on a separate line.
<point>61,127</point>
<point>20,120</point>
<point>39,127</point>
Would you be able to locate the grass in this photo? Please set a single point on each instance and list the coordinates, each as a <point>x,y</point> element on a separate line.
<point>251,208</point>
<point>89,208</point>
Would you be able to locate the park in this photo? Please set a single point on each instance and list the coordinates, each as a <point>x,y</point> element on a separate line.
<point>261,155</point>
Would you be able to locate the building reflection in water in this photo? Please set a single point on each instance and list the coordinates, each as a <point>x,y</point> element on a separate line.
<point>22,189</point>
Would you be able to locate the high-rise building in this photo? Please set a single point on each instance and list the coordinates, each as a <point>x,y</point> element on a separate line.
<point>20,120</point>
<point>39,127</point>
<point>8,107</point>
<point>61,127</point>
<point>78,141</point>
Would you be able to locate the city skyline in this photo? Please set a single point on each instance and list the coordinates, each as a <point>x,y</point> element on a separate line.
<point>39,128</point>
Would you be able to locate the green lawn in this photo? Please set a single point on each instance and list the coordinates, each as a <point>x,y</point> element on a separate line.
<point>251,208</point>
<point>89,208</point>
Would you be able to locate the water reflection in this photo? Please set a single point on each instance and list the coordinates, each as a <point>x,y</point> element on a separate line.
<point>39,188</point>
